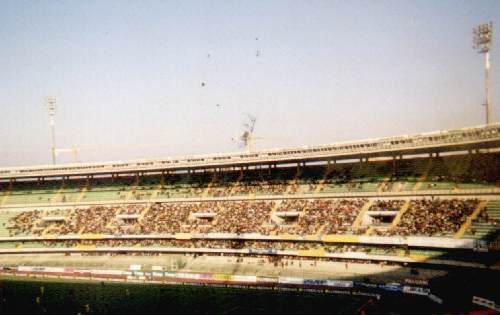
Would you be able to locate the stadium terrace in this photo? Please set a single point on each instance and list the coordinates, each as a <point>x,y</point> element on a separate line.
<point>424,205</point>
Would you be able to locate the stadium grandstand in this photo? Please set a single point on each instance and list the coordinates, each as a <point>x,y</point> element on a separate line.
<point>415,201</point>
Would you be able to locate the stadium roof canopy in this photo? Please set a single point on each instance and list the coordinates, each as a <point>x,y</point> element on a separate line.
<point>473,138</point>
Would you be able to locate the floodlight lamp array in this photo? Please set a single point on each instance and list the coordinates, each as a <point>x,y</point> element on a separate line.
<point>50,102</point>
<point>483,35</point>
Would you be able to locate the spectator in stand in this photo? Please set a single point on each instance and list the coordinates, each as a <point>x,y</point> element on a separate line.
<point>434,217</point>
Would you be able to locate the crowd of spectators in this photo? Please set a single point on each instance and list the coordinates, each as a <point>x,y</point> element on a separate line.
<point>243,217</point>
<point>314,217</point>
<point>25,223</point>
<point>434,217</point>
<point>228,244</point>
<point>338,218</point>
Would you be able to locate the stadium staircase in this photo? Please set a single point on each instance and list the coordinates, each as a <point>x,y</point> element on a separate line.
<point>359,219</point>
<point>422,178</point>
<point>369,231</point>
<point>482,228</point>
<point>144,211</point>
<point>276,206</point>
<point>55,198</point>
<point>236,183</point>
<point>6,196</point>
<point>130,194</point>
<point>320,230</point>
<point>81,195</point>
<point>209,186</point>
<point>407,173</point>
<point>394,222</point>
<point>321,183</point>
<point>400,214</point>
<point>294,182</point>
<point>384,184</point>
<point>47,230</point>
<point>156,192</point>
<point>369,176</point>
<point>481,205</point>
<point>441,167</point>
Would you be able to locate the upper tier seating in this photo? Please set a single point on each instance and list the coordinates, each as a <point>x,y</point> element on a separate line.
<point>437,173</point>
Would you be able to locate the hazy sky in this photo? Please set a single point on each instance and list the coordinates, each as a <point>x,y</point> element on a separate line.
<point>128,74</point>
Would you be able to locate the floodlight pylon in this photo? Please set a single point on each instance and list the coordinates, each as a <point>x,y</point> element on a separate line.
<point>50,103</point>
<point>483,36</point>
